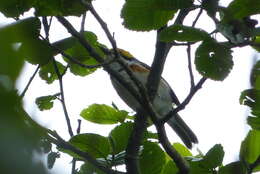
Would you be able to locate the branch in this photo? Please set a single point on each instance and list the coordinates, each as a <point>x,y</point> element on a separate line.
<point>186,101</point>
<point>83,21</point>
<point>101,22</point>
<point>180,162</point>
<point>197,17</point>
<point>190,66</point>
<point>161,51</point>
<point>63,98</point>
<point>30,81</point>
<point>86,156</point>
<point>134,142</point>
<point>74,161</point>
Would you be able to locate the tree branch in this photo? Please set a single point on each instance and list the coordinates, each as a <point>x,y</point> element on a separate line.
<point>186,101</point>
<point>134,142</point>
<point>180,162</point>
<point>192,83</point>
<point>86,156</point>
<point>30,81</point>
<point>63,98</point>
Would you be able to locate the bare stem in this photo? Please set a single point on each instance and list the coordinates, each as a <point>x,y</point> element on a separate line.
<point>30,81</point>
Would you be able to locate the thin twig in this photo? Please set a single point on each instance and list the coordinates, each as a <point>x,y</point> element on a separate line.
<point>74,160</point>
<point>30,81</point>
<point>63,98</point>
<point>186,101</point>
<point>86,156</point>
<point>197,17</point>
<point>101,22</point>
<point>83,21</point>
<point>192,83</point>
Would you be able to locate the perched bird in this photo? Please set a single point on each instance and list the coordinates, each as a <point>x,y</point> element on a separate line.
<point>164,100</point>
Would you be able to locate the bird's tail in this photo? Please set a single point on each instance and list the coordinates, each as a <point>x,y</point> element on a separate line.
<point>182,130</point>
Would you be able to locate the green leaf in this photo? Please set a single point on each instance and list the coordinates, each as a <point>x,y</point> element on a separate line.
<point>11,60</point>
<point>21,30</point>
<point>182,149</point>
<point>78,52</point>
<point>48,73</point>
<point>64,44</point>
<point>173,4</point>
<point>255,75</point>
<point>152,158</point>
<point>244,8</point>
<point>182,33</point>
<point>213,60</point>
<point>197,168</point>
<point>256,43</point>
<point>170,168</point>
<point>88,168</point>
<point>15,8</point>
<point>59,7</point>
<point>210,6</point>
<point>103,114</point>
<point>119,137</point>
<point>52,156</point>
<point>254,122</point>
<point>251,98</point>
<point>82,71</point>
<point>94,144</point>
<point>40,54</point>
<point>233,168</point>
<point>45,102</point>
<point>250,147</point>
<point>213,158</point>
<point>144,15</point>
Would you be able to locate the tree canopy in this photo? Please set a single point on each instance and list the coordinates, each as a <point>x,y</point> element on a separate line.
<point>129,143</point>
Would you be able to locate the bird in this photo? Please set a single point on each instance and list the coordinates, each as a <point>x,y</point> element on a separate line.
<point>164,100</point>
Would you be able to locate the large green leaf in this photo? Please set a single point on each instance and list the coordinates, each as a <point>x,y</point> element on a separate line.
<point>182,33</point>
<point>15,8</point>
<point>213,157</point>
<point>213,60</point>
<point>233,168</point>
<point>59,7</point>
<point>88,168</point>
<point>181,149</point>
<point>78,52</point>
<point>254,122</point>
<point>172,4</point>
<point>244,8</point>
<point>170,168</point>
<point>94,144</point>
<point>152,158</point>
<point>103,114</point>
<point>21,30</point>
<point>12,35</point>
<point>144,15</point>
<point>36,51</point>
<point>119,137</point>
<point>250,147</point>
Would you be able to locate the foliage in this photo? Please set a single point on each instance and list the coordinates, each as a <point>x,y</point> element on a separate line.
<point>82,54</point>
